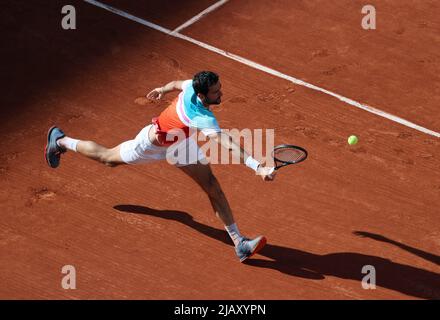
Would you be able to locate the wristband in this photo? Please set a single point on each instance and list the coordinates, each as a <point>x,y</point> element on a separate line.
<point>252,163</point>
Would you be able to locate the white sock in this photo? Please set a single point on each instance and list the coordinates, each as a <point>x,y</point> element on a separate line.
<point>234,233</point>
<point>68,143</point>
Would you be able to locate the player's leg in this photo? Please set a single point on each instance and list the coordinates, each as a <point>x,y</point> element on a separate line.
<point>92,150</point>
<point>139,150</point>
<point>58,143</point>
<point>203,176</point>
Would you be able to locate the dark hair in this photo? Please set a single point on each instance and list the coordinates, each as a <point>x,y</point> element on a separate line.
<point>203,80</point>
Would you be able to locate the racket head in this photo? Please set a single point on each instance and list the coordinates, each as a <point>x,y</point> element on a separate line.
<point>286,154</point>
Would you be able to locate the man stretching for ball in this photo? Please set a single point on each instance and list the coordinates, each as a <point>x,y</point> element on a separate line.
<point>191,109</point>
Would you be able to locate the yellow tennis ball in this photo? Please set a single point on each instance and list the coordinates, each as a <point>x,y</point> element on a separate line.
<point>352,140</point>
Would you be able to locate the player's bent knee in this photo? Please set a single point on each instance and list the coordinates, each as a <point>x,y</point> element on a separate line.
<point>111,158</point>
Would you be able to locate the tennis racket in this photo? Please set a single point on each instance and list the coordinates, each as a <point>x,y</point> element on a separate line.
<point>286,154</point>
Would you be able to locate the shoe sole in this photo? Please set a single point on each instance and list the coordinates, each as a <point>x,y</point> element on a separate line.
<point>46,156</point>
<point>260,246</point>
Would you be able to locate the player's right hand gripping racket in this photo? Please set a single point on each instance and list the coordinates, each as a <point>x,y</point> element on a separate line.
<point>286,154</point>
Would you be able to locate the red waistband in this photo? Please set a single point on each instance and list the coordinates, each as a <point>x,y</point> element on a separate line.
<point>161,135</point>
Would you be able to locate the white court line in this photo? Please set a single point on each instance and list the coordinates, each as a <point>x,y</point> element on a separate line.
<point>199,16</point>
<point>128,16</point>
<point>266,69</point>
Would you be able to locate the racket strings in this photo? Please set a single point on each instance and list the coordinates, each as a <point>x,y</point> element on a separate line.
<point>289,155</point>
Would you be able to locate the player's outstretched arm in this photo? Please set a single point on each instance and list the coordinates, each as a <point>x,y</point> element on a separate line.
<point>226,141</point>
<point>158,93</point>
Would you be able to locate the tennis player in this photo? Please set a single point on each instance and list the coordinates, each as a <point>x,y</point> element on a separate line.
<point>190,110</point>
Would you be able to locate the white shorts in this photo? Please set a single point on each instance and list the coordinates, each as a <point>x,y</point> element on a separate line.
<point>141,150</point>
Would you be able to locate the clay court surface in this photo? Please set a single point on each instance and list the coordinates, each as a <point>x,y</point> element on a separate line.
<point>148,231</point>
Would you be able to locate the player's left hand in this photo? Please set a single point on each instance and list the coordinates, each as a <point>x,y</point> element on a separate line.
<point>155,94</point>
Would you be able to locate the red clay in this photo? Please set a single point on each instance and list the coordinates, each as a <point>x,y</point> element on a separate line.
<point>148,232</point>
